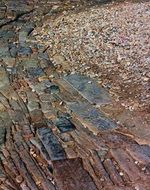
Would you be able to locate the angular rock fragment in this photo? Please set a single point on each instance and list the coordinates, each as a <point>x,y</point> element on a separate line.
<point>36,115</point>
<point>91,117</point>
<point>24,51</point>
<point>69,174</point>
<point>89,89</point>
<point>33,72</point>
<point>51,144</point>
<point>64,124</point>
<point>13,50</point>
<point>53,89</point>
<point>33,105</point>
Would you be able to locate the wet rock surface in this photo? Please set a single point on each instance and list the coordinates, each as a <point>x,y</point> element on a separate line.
<point>57,128</point>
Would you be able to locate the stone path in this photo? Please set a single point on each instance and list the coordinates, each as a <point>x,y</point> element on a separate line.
<point>53,135</point>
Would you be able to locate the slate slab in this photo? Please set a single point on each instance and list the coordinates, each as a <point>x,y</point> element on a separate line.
<point>69,174</point>
<point>91,117</point>
<point>64,124</point>
<point>51,144</point>
<point>89,89</point>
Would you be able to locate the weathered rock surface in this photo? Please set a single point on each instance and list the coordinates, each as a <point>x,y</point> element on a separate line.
<point>91,117</point>
<point>70,174</point>
<point>53,133</point>
<point>89,89</point>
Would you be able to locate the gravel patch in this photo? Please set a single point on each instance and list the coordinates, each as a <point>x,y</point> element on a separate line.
<point>109,43</point>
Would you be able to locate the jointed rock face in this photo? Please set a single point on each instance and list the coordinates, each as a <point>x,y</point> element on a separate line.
<point>53,134</point>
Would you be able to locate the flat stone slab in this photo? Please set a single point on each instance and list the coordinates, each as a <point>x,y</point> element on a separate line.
<point>64,124</point>
<point>91,117</point>
<point>69,174</point>
<point>89,89</point>
<point>51,144</point>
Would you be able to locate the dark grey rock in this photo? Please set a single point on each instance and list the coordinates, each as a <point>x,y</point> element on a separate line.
<point>33,72</point>
<point>4,51</point>
<point>91,117</point>
<point>51,144</point>
<point>7,34</point>
<point>53,89</point>
<point>13,50</point>
<point>89,89</point>
<point>64,124</point>
<point>24,51</point>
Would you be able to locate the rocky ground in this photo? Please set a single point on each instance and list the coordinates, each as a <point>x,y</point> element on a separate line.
<point>74,95</point>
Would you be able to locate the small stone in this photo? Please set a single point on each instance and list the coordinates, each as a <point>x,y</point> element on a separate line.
<point>34,155</point>
<point>19,179</point>
<point>121,174</point>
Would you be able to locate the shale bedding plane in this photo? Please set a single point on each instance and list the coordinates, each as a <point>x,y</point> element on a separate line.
<point>60,128</point>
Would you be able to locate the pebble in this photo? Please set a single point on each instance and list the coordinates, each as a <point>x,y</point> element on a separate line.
<point>121,174</point>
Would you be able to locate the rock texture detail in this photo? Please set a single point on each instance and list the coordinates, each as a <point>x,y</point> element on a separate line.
<point>53,132</point>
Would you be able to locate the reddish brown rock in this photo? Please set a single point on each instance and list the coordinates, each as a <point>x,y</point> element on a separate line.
<point>69,174</point>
